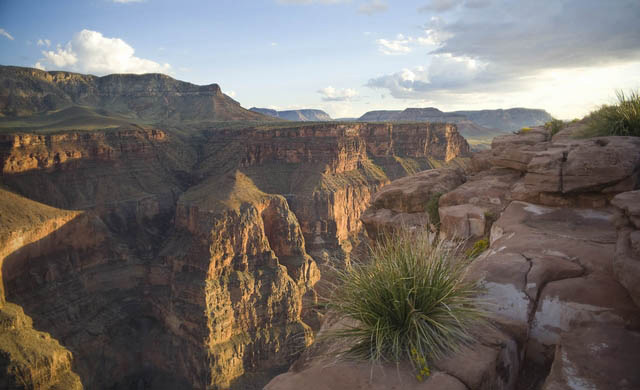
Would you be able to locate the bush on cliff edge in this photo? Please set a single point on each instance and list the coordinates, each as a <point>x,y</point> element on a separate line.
<point>409,302</point>
<point>622,119</point>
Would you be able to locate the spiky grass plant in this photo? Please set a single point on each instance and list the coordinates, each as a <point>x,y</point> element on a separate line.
<point>408,302</point>
<point>620,119</point>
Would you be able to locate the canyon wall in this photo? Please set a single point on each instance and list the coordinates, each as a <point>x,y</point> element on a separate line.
<point>188,258</point>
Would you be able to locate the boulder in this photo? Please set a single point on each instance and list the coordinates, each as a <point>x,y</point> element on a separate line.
<point>607,163</point>
<point>599,357</point>
<point>463,221</point>
<point>629,203</point>
<point>385,221</point>
<point>566,304</point>
<point>515,151</point>
<point>488,189</point>
<point>411,194</point>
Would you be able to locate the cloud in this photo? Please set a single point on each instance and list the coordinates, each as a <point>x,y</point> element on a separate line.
<point>6,34</point>
<point>312,1</point>
<point>44,42</point>
<point>331,94</point>
<point>405,44</point>
<point>397,46</point>
<point>38,65</point>
<point>373,6</point>
<point>448,5</point>
<point>445,72</point>
<point>91,52</point>
<point>503,46</point>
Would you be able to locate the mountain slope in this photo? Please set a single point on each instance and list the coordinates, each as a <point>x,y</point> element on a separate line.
<point>507,120</point>
<point>470,123</point>
<point>303,115</point>
<point>148,97</point>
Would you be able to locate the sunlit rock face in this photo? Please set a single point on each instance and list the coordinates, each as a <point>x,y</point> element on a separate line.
<point>187,258</point>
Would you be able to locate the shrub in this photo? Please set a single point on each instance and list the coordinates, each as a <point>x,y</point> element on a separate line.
<point>620,119</point>
<point>525,130</point>
<point>478,247</point>
<point>554,126</point>
<point>410,302</point>
<point>431,208</point>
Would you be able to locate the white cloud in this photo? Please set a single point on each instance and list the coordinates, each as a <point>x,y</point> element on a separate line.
<point>405,44</point>
<point>373,6</point>
<point>397,46</point>
<point>91,52</point>
<point>331,94</point>
<point>44,42</point>
<point>445,72</point>
<point>62,57</point>
<point>273,44</point>
<point>6,34</point>
<point>38,65</point>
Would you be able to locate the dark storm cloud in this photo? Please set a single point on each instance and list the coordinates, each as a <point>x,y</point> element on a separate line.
<point>510,40</point>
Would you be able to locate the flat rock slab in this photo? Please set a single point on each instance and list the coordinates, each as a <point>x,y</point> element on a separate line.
<point>585,236</point>
<point>326,375</point>
<point>569,303</point>
<point>596,357</point>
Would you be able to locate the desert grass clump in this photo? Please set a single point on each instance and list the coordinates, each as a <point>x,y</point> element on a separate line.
<point>408,302</point>
<point>622,119</point>
<point>554,126</point>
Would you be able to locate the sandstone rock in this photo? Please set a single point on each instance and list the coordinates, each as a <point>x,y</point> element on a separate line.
<point>410,194</point>
<point>463,221</point>
<point>566,304</point>
<point>30,359</point>
<point>494,364</point>
<point>629,202</point>
<point>515,151</point>
<point>384,221</point>
<point>488,190</point>
<point>504,279</point>
<point>584,236</point>
<point>346,375</point>
<point>602,162</point>
<point>596,357</point>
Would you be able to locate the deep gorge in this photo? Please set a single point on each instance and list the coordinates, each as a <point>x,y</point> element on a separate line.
<point>187,257</point>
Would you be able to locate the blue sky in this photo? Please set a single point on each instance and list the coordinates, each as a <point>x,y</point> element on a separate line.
<point>347,56</point>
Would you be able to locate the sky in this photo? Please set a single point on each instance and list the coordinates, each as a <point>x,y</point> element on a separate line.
<point>347,57</point>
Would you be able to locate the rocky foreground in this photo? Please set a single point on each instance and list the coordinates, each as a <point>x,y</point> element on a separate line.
<point>561,273</point>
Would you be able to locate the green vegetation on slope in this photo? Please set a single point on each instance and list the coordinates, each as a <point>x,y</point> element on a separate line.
<point>70,118</point>
<point>622,119</point>
<point>409,302</point>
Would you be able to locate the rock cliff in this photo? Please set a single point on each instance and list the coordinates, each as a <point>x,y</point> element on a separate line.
<point>187,257</point>
<point>560,268</point>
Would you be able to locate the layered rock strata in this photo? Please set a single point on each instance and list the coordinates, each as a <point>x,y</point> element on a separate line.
<point>185,259</point>
<point>560,272</point>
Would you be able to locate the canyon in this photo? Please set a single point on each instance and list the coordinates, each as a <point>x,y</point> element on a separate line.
<point>155,234</point>
<point>555,218</point>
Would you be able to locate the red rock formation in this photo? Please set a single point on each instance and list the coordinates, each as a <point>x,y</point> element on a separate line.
<point>191,254</point>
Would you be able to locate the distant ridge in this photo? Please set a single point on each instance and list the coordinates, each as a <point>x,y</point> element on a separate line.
<point>303,115</point>
<point>469,122</point>
<point>149,97</point>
